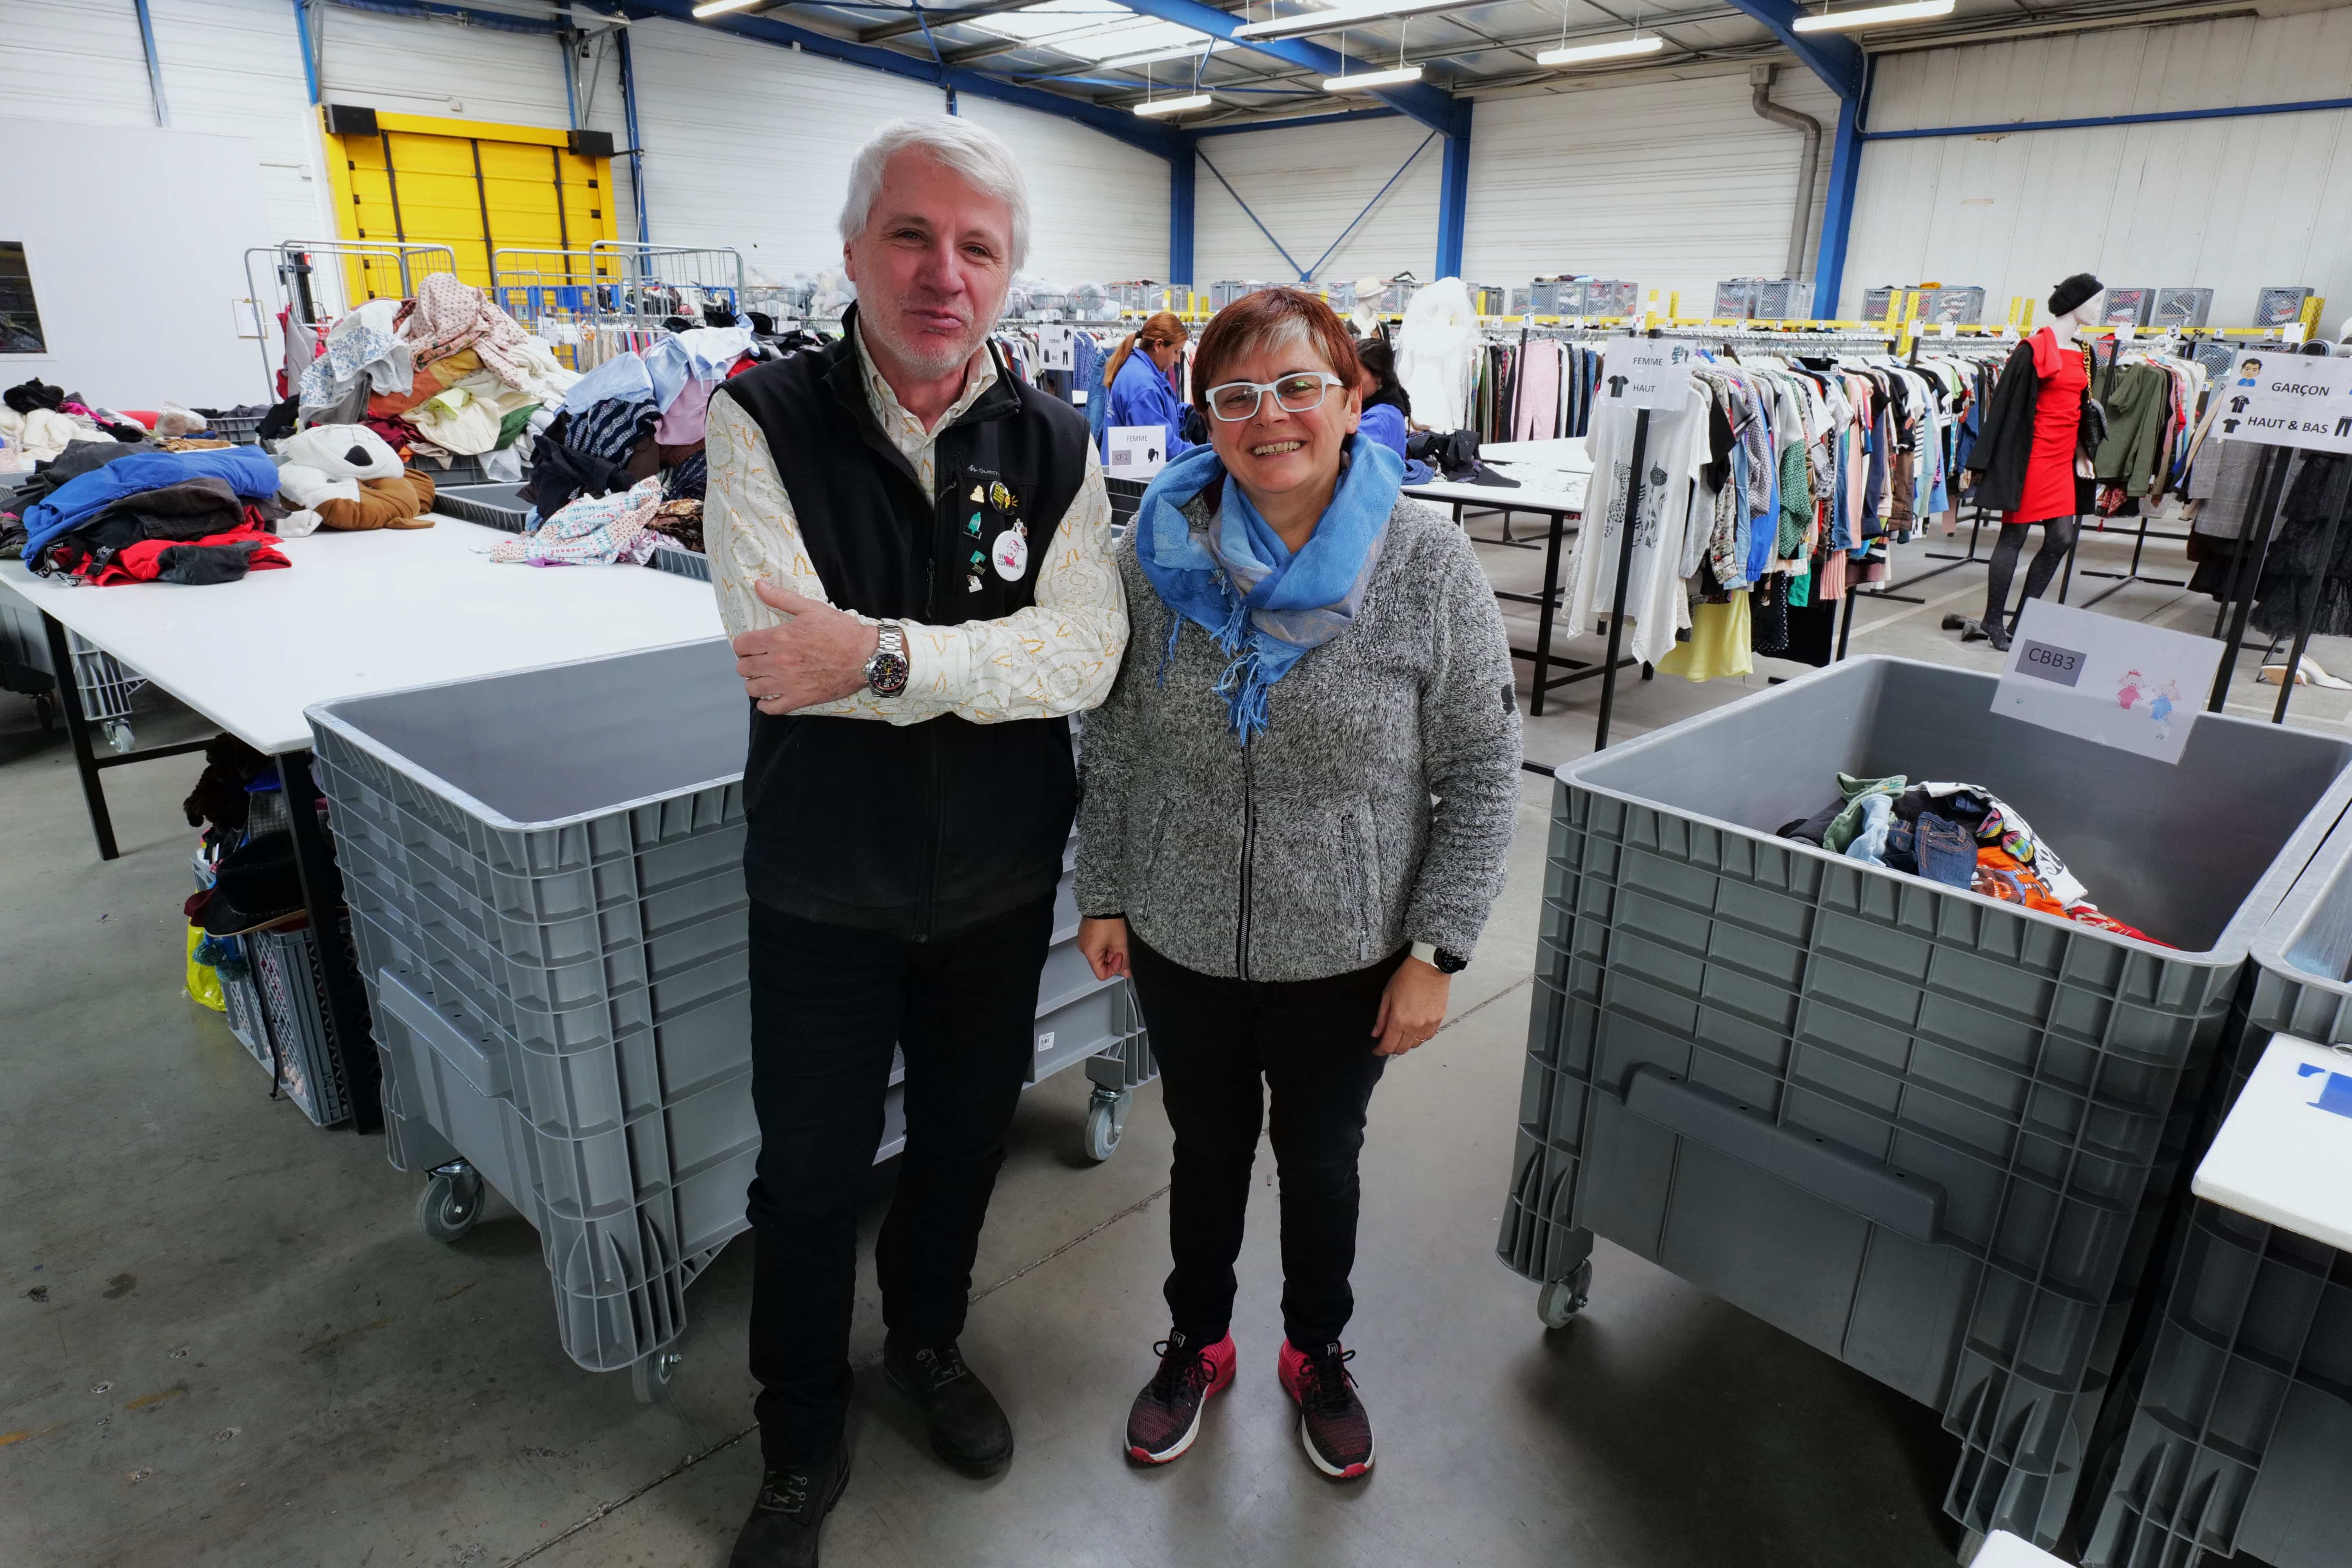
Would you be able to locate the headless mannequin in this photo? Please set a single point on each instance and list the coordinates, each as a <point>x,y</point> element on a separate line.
<point>2057,533</point>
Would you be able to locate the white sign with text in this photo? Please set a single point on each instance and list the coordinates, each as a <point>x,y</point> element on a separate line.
<point>2286,399</point>
<point>1054,352</point>
<point>1645,372</point>
<point>2136,688</point>
<point>1135,451</point>
<point>2282,1151</point>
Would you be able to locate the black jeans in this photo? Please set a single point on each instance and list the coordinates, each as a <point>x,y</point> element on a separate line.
<point>1311,1041</point>
<point>828,1003</point>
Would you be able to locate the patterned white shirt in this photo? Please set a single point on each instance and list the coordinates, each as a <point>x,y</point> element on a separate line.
<point>1055,657</point>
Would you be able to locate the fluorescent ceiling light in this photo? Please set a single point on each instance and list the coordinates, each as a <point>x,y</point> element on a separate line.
<point>1173,105</point>
<point>712,7</point>
<point>1365,81</point>
<point>1615,49</point>
<point>1837,21</point>
<point>1336,16</point>
<point>1180,52</point>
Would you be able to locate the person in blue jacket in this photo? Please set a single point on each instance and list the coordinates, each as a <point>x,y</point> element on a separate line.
<point>1141,393</point>
<point>1387,406</point>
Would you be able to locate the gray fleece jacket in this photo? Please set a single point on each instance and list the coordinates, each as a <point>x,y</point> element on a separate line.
<point>1318,848</point>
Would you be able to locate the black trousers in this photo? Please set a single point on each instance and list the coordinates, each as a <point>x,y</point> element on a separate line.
<point>828,1004</point>
<point>1311,1042</point>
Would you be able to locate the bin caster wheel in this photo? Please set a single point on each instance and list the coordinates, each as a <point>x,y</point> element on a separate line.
<point>449,1205</point>
<point>46,712</point>
<point>1105,1120</point>
<point>118,734</point>
<point>1562,1299</point>
<point>649,1375</point>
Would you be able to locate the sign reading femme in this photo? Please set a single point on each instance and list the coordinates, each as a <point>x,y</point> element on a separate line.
<point>2282,399</point>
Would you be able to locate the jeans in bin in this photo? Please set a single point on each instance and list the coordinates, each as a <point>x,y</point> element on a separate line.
<point>1311,1042</point>
<point>829,1005</point>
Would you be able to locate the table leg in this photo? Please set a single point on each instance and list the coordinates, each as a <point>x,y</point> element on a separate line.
<point>314,860</point>
<point>1544,614</point>
<point>93,789</point>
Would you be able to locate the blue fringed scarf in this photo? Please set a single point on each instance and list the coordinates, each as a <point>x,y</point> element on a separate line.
<point>1237,581</point>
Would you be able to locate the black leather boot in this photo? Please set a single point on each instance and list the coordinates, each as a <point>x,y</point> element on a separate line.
<point>788,1513</point>
<point>966,1427</point>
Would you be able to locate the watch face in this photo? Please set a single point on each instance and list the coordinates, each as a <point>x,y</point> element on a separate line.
<point>1451,963</point>
<point>887,673</point>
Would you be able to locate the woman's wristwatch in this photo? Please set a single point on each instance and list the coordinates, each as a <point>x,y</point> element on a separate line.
<point>886,669</point>
<point>1439,959</point>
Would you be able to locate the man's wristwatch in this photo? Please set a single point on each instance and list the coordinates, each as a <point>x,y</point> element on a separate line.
<point>1439,959</point>
<point>885,671</point>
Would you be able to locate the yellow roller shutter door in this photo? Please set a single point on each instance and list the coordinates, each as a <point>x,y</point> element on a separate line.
<point>475,188</point>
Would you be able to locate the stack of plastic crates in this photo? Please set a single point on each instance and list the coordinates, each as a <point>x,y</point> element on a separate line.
<point>545,877</point>
<point>2241,1439</point>
<point>1931,1133</point>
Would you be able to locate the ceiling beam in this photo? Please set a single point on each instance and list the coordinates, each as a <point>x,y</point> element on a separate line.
<point>1418,100</point>
<point>890,30</point>
<point>1836,59</point>
<point>1119,124</point>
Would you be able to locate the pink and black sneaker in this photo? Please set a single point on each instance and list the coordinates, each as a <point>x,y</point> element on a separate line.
<point>1166,1417</point>
<point>1333,1425</point>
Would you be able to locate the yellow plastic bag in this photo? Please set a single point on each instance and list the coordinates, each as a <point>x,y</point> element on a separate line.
<point>203,980</point>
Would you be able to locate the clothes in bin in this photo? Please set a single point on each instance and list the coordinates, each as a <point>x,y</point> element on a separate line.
<point>545,876</point>
<point>1929,1133</point>
<point>2240,1439</point>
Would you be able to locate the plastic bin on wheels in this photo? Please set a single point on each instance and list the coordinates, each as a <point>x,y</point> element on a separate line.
<point>1931,1134</point>
<point>544,871</point>
<point>2241,1434</point>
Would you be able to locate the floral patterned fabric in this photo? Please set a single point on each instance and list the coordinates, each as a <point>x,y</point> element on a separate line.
<point>595,531</point>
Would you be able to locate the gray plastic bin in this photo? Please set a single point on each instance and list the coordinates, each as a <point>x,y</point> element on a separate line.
<point>545,877</point>
<point>492,506</point>
<point>2240,1435</point>
<point>678,561</point>
<point>1929,1133</point>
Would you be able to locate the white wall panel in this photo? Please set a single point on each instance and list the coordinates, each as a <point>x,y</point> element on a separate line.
<point>1098,209</point>
<point>410,65</point>
<point>134,289</point>
<point>74,60</point>
<point>2231,205</point>
<point>749,145</point>
<point>1307,185</point>
<point>235,66</point>
<point>1672,183</point>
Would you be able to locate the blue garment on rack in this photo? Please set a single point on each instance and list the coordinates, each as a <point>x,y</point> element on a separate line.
<point>1086,359</point>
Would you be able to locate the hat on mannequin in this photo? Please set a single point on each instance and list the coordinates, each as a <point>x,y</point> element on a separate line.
<point>2074,293</point>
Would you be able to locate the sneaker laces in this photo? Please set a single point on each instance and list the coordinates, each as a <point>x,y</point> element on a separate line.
<point>1179,1365</point>
<point>1329,1380</point>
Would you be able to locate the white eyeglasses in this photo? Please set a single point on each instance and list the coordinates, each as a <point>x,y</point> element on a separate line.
<point>1297,392</point>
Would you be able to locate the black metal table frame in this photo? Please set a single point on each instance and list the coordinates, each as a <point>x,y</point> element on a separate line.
<point>314,861</point>
<point>1546,602</point>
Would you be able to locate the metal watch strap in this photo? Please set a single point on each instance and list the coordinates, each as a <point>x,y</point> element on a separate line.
<point>889,658</point>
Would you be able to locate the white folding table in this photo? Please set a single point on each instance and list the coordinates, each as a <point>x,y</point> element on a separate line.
<point>354,615</point>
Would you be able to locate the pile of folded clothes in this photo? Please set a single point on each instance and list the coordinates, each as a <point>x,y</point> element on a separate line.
<point>348,478</point>
<point>38,421</point>
<point>1961,834</point>
<point>150,515</point>
<point>447,374</point>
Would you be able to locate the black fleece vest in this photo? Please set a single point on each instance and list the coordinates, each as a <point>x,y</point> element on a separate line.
<point>916,830</point>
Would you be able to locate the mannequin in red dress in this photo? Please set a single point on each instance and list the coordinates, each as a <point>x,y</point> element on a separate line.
<point>2048,495</point>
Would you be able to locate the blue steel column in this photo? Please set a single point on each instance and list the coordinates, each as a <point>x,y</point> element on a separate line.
<point>1181,171</point>
<point>310,61</point>
<point>1454,193</point>
<point>1837,210</point>
<point>155,65</point>
<point>637,143</point>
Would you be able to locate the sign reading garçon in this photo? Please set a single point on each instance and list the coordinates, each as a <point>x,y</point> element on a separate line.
<point>2279,399</point>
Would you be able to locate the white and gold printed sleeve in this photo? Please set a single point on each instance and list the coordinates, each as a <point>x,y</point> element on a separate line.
<point>1057,657</point>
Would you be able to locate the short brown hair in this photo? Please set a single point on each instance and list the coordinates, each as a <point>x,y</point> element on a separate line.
<point>1271,312</point>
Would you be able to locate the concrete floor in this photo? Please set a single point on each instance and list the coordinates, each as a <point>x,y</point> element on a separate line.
<point>224,1342</point>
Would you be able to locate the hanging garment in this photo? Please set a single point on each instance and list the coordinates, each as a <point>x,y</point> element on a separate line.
<point>1719,643</point>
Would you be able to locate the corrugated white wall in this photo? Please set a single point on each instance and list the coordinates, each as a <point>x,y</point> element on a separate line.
<point>2229,205</point>
<point>1098,209</point>
<point>1674,184</point>
<point>772,185</point>
<point>77,61</point>
<point>235,66</point>
<point>1307,185</point>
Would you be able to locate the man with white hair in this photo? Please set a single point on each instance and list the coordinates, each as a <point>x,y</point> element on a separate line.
<point>911,549</point>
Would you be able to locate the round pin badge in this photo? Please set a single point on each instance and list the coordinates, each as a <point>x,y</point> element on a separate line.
<point>1000,496</point>
<point>1011,555</point>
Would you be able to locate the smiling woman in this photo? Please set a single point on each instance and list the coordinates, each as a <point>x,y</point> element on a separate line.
<point>1318,660</point>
